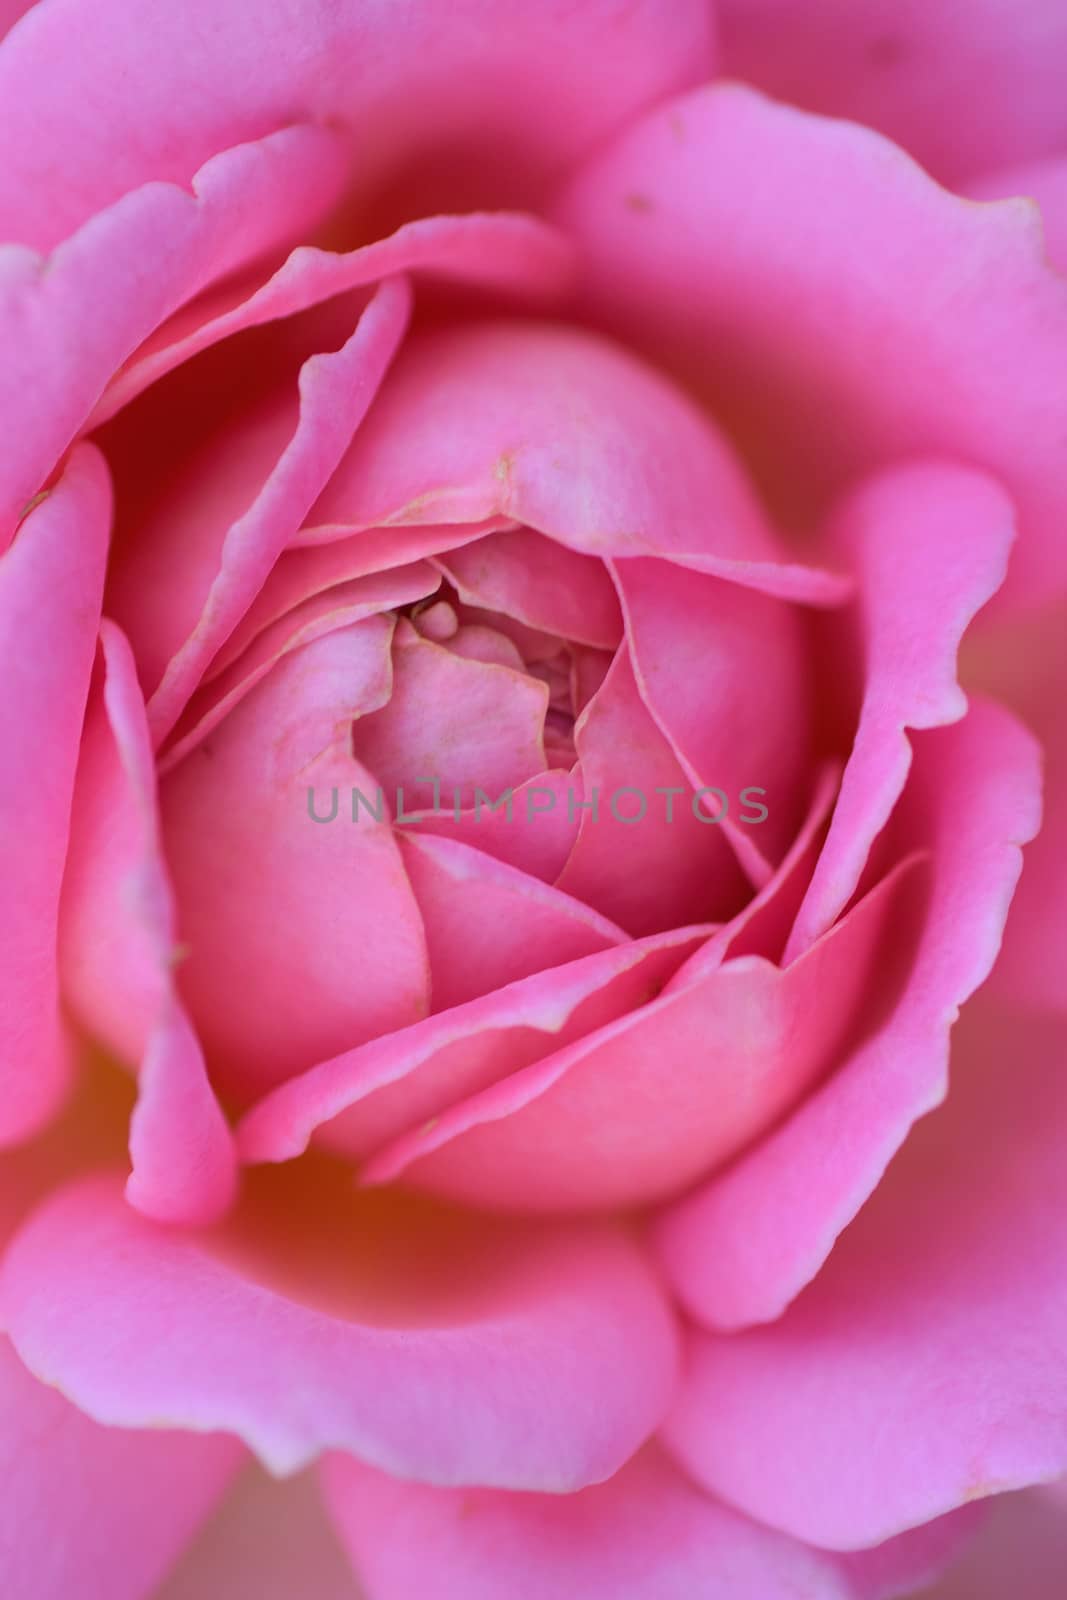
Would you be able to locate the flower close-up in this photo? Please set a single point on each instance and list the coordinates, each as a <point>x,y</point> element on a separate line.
<point>533,800</point>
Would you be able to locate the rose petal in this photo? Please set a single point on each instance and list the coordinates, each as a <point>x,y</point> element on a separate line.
<point>647,1534</point>
<point>96,1512</point>
<point>1043,181</point>
<point>181,87</point>
<point>269,1540</point>
<point>222,533</point>
<point>823,281</point>
<point>930,544</point>
<point>70,319</point>
<point>488,925</point>
<point>468,724</point>
<point>1023,1551</point>
<point>540,583</point>
<point>687,871</point>
<point>117,952</point>
<point>937,1326</point>
<point>740,1248</point>
<point>504,250</point>
<point>372,1093</point>
<point>529,834</point>
<point>640,1108</point>
<point>556,1348</point>
<point>568,434</point>
<point>317,922</point>
<point>51,580</point>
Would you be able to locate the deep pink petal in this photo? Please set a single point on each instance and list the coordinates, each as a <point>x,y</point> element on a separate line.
<point>373,1093</point>
<point>531,834</point>
<point>647,1534</point>
<point>555,1348</point>
<point>117,946</point>
<point>1043,181</point>
<point>930,544</point>
<point>97,1512</point>
<point>488,924</point>
<point>568,434</point>
<point>963,87</point>
<point>466,723</point>
<point>839,307</point>
<point>190,578</point>
<point>503,250</point>
<point>51,580</point>
<point>510,83</point>
<point>1023,1551</point>
<point>645,1105</point>
<point>938,1327</point>
<point>539,582</point>
<point>69,320</point>
<point>269,1540</point>
<point>685,870</point>
<point>325,612</point>
<point>740,1248</point>
<point>724,671</point>
<point>314,918</point>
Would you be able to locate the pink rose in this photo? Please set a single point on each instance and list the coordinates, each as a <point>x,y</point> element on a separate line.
<point>497,836</point>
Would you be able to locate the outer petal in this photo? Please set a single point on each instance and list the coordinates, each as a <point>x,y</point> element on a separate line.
<point>556,1349</point>
<point>740,1248</point>
<point>117,952</point>
<point>97,1512</point>
<point>314,917</point>
<point>645,1105</point>
<point>647,1534</point>
<point>930,544</point>
<point>68,321</point>
<point>1043,181</point>
<point>805,271</point>
<point>512,82</point>
<point>568,434</point>
<point>964,85</point>
<point>51,581</point>
<point>938,1327</point>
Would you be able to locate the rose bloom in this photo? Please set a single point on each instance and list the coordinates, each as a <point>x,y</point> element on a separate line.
<point>531,619</point>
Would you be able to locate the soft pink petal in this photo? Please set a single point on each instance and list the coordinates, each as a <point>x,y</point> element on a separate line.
<point>51,580</point>
<point>539,582</point>
<point>647,1534</point>
<point>488,924</point>
<point>70,319</point>
<point>456,1353</point>
<point>118,950</point>
<point>1043,181</point>
<point>323,613</point>
<point>190,579</point>
<point>268,1540</point>
<point>531,834</point>
<point>962,84</point>
<point>1024,664</point>
<point>645,1105</point>
<point>568,434</point>
<point>725,672</point>
<point>1023,1551</point>
<point>314,918</point>
<point>740,1248</point>
<point>938,1327</point>
<point>502,250</point>
<point>109,106</point>
<point>686,871</point>
<point>303,573</point>
<point>930,544</point>
<point>835,305</point>
<point>373,1093</point>
<point>466,723</point>
<point>100,1513</point>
